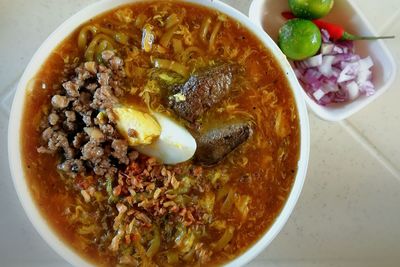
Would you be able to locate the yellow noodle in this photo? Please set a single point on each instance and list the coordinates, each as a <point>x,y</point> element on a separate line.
<point>177,45</point>
<point>102,46</point>
<point>188,51</point>
<point>166,38</point>
<point>83,38</point>
<point>140,20</point>
<point>106,31</point>
<point>172,257</point>
<point>91,49</point>
<point>205,25</point>
<point>172,20</point>
<point>226,206</point>
<point>225,239</point>
<point>120,37</point>
<point>171,65</point>
<point>213,36</point>
<point>154,243</point>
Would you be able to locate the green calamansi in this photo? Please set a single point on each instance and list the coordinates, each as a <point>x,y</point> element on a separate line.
<point>310,9</point>
<point>299,39</point>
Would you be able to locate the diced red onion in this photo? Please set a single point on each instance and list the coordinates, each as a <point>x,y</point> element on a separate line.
<point>337,74</point>
<point>366,63</point>
<point>327,49</point>
<point>318,94</point>
<point>330,87</point>
<point>349,72</point>
<point>367,88</point>
<point>353,89</point>
<point>363,76</point>
<point>325,36</point>
<point>314,61</point>
<point>326,67</point>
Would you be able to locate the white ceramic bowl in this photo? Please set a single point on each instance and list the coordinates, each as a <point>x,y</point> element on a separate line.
<point>15,135</point>
<point>267,14</point>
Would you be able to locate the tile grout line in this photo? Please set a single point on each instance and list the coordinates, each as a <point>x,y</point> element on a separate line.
<point>355,132</point>
<point>11,85</point>
<point>8,97</point>
<point>371,148</point>
<point>389,22</point>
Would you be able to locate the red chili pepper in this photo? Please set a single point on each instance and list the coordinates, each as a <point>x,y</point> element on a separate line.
<point>336,31</point>
<point>288,15</point>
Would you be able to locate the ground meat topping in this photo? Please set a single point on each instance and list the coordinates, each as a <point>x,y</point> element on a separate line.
<point>53,119</point>
<point>120,150</point>
<point>70,115</point>
<point>71,88</point>
<point>59,101</point>
<point>104,98</point>
<point>141,194</point>
<point>92,151</point>
<point>73,126</point>
<point>72,165</point>
<point>91,67</point>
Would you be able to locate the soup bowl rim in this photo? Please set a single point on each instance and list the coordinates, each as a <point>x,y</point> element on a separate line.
<point>14,129</point>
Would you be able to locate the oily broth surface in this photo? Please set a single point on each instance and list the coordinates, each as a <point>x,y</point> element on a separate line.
<point>263,168</point>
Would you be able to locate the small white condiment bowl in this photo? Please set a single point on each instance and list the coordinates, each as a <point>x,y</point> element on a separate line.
<point>267,14</point>
<point>15,134</point>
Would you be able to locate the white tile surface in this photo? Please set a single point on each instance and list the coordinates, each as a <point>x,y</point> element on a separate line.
<point>379,13</point>
<point>24,25</point>
<point>349,211</point>
<point>380,122</point>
